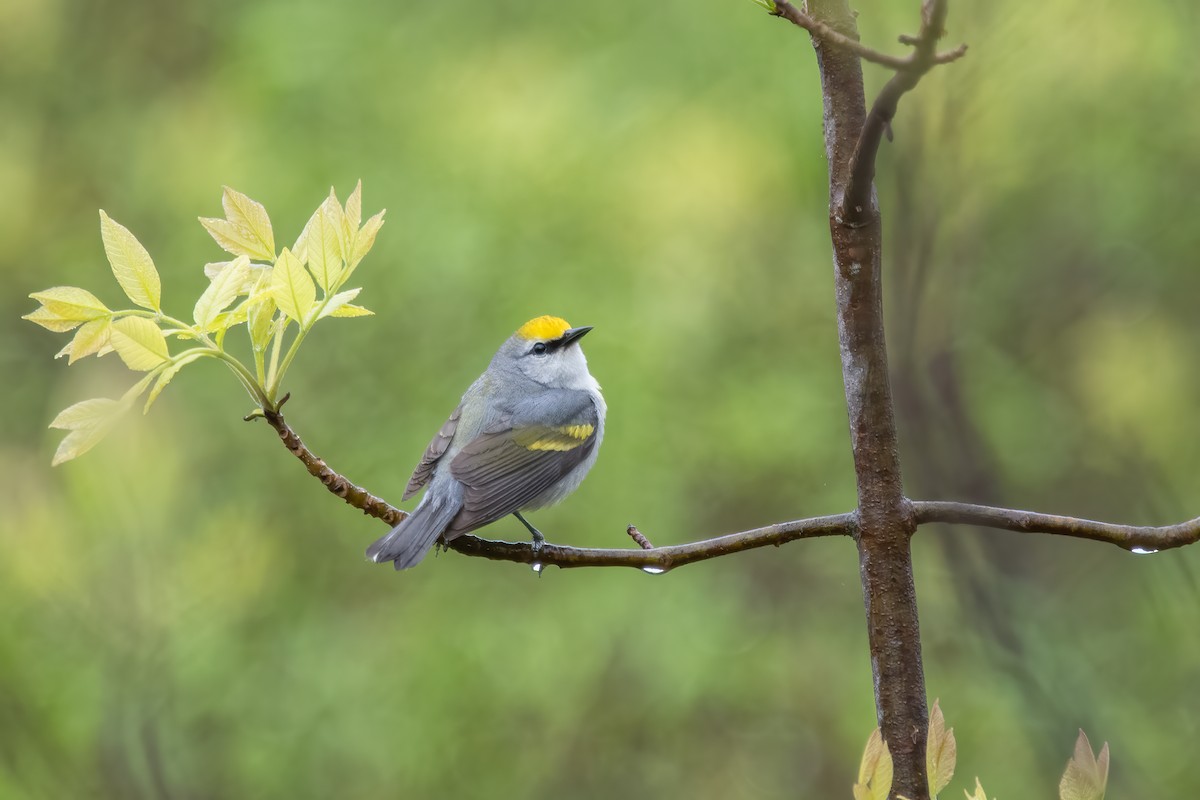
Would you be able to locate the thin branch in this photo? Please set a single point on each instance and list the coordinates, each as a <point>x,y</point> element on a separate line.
<point>824,32</point>
<point>1127,537</point>
<point>658,559</point>
<point>655,559</point>
<point>857,204</point>
<point>819,29</point>
<point>356,496</point>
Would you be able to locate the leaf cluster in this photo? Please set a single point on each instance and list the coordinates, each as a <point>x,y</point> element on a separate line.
<point>1085,778</point>
<point>277,296</point>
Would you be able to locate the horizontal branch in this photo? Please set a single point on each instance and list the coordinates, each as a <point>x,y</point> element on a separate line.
<point>658,559</point>
<point>1127,537</point>
<point>655,559</point>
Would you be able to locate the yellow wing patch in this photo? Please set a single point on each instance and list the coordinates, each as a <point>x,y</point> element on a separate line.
<point>543,328</point>
<point>562,438</point>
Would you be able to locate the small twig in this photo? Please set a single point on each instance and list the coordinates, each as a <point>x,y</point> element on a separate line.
<point>824,32</point>
<point>856,206</point>
<point>656,559</point>
<point>638,537</point>
<point>1143,539</point>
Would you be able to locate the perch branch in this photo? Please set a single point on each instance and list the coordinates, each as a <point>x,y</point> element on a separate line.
<point>356,496</point>
<point>1127,537</point>
<point>655,559</point>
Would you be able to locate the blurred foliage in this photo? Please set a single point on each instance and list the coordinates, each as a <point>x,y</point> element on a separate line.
<point>187,615</point>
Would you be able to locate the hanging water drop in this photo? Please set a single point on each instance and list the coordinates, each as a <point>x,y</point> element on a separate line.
<point>653,570</point>
<point>538,567</point>
<point>1142,551</point>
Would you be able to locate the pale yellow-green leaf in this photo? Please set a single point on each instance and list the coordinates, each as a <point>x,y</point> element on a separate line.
<point>135,391</point>
<point>78,442</point>
<point>139,342</point>
<point>1086,777</point>
<point>351,310</point>
<point>233,239</point>
<point>88,421</point>
<point>223,290</point>
<point>875,770</point>
<point>338,301</point>
<point>131,264</point>
<point>251,220</point>
<point>91,338</point>
<point>51,321</point>
<point>167,374</point>
<point>260,311</point>
<point>978,794</point>
<point>364,241</point>
<point>71,302</point>
<point>325,249</point>
<point>291,287</point>
<point>213,268</point>
<point>354,207</point>
<point>941,753</point>
<point>332,211</point>
<point>86,413</point>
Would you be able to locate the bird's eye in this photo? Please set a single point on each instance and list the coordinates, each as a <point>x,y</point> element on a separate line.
<point>539,349</point>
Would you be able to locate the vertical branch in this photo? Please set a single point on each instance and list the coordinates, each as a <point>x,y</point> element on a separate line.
<point>886,521</point>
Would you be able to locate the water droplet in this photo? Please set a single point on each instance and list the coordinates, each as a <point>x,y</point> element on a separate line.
<point>653,570</point>
<point>1142,551</point>
<point>538,567</point>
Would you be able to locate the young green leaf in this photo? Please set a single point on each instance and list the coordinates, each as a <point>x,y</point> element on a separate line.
<point>170,372</point>
<point>875,770</point>
<point>978,794</point>
<point>941,752</point>
<point>354,208</point>
<point>292,288</point>
<point>252,222</point>
<point>351,310</point>
<point>231,238</point>
<point>325,249</point>
<point>73,303</point>
<point>223,290</point>
<point>259,314</point>
<point>88,422</point>
<point>92,337</point>
<point>364,241</point>
<point>131,264</point>
<point>140,343</point>
<point>51,321</point>
<point>1086,776</point>
<point>339,306</point>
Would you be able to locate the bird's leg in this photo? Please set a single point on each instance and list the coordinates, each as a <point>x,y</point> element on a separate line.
<point>538,539</point>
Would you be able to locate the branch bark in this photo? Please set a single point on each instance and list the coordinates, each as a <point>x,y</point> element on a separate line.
<point>886,519</point>
<point>1127,537</point>
<point>652,559</point>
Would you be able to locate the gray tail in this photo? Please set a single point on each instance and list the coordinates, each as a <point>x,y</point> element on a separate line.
<point>409,541</point>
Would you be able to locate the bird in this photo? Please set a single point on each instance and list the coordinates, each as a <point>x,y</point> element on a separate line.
<point>525,435</point>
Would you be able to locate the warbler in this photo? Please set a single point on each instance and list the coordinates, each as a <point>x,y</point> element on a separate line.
<point>524,436</point>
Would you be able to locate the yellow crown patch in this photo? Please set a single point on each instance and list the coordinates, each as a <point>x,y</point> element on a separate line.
<point>543,328</point>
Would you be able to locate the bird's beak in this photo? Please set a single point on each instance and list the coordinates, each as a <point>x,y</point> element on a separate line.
<point>572,334</point>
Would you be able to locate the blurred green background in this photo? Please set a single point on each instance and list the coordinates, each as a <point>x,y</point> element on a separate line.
<point>186,614</point>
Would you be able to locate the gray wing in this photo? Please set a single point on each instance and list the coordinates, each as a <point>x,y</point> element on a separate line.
<point>510,464</point>
<point>433,454</point>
